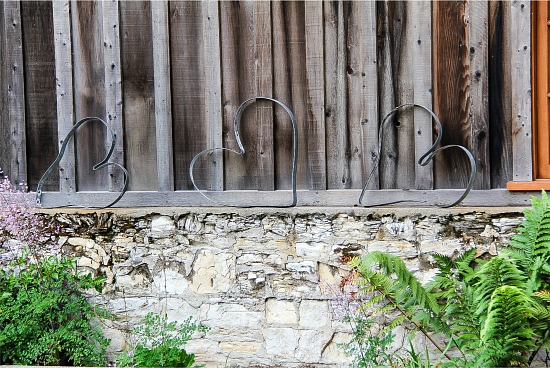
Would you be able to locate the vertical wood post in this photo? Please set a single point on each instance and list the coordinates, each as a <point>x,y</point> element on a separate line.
<point>113,88</point>
<point>163,97</point>
<point>15,90</point>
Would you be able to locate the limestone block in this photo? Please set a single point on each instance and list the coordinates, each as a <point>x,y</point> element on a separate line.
<point>162,224</point>
<point>213,271</point>
<point>314,314</point>
<point>281,342</point>
<point>280,312</point>
<point>226,315</point>
<point>401,248</point>
<point>179,310</point>
<point>489,232</point>
<point>445,247</point>
<point>333,352</point>
<point>241,347</point>
<point>169,281</point>
<point>310,250</point>
<point>311,345</point>
<point>302,267</point>
<point>202,346</point>
<point>87,262</point>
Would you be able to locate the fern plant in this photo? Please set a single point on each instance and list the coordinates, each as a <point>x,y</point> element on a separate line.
<point>495,313</point>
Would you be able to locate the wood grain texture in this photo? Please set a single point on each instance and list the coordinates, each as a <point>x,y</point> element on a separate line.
<point>188,86</point>
<point>213,92</point>
<point>163,96</point>
<point>247,72</point>
<point>40,109</point>
<point>113,88</point>
<point>370,92</point>
<point>89,93</point>
<point>500,125</point>
<point>64,92</point>
<point>290,87</point>
<point>421,48</point>
<point>478,26</point>
<point>338,169</point>
<point>315,102</point>
<point>520,28</point>
<point>139,94</point>
<point>452,101</point>
<point>15,92</point>
<point>4,130</point>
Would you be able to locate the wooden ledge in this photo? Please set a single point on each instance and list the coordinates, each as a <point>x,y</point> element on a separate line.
<point>528,185</point>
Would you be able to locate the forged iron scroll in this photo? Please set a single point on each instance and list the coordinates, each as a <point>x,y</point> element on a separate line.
<point>422,161</point>
<point>104,163</point>
<point>242,151</point>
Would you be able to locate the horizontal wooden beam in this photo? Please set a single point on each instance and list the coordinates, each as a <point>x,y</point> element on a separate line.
<point>537,185</point>
<point>329,198</point>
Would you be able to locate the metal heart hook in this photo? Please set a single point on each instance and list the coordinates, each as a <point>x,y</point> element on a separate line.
<point>242,151</point>
<point>425,159</point>
<point>104,163</point>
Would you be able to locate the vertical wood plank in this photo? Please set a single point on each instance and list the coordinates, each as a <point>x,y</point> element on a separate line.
<point>4,131</point>
<point>289,82</point>
<point>15,91</point>
<point>113,88</point>
<point>520,39</point>
<point>315,102</point>
<point>213,92</point>
<point>500,124</point>
<point>478,18</point>
<point>421,39</point>
<point>246,72</point>
<point>451,98</point>
<point>89,93</point>
<point>40,112</point>
<point>163,95</point>
<point>138,94</point>
<point>338,170</point>
<point>64,92</point>
<point>370,92</point>
<point>386,88</point>
<point>188,87</point>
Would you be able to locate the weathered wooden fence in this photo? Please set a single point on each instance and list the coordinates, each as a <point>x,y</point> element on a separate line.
<point>168,77</point>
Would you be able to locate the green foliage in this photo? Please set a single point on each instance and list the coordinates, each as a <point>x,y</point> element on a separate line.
<point>496,313</point>
<point>159,343</point>
<point>45,319</point>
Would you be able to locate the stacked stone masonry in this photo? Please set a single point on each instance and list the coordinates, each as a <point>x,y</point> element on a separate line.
<point>261,280</point>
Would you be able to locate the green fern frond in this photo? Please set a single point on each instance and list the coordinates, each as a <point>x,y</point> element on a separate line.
<point>506,334</point>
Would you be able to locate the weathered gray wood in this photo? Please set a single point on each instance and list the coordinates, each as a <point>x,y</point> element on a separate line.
<point>315,103</point>
<point>163,96</point>
<point>4,130</point>
<point>478,15</point>
<point>356,79</point>
<point>89,92</point>
<point>500,94</point>
<point>138,94</point>
<point>451,85</point>
<point>113,88</point>
<point>40,114</point>
<point>520,39</point>
<point>338,170</point>
<point>213,92</point>
<point>421,48</point>
<point>64,92</point>
<point>188,91</point>
<point>342,198</point>
<point>370,92</point>
<point>246,72</point>
<point>14,88</point>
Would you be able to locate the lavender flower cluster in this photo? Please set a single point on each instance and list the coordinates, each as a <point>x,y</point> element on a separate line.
<point>22,230</point>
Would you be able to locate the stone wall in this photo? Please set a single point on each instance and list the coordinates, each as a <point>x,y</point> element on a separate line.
<point>259,278</point>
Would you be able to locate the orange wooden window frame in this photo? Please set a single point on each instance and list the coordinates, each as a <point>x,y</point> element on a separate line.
<point>541,99</point>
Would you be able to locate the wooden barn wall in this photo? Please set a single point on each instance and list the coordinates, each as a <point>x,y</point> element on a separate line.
<point>169,76</point>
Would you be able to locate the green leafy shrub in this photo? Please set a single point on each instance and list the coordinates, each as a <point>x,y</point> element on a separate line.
<point>494,313</point>
<point>45,319</point>
<point>159,343</point>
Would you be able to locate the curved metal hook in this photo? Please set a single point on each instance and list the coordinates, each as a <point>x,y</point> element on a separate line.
<point>424,159</point>
<point>102,164</point>
<point>242,151</point>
